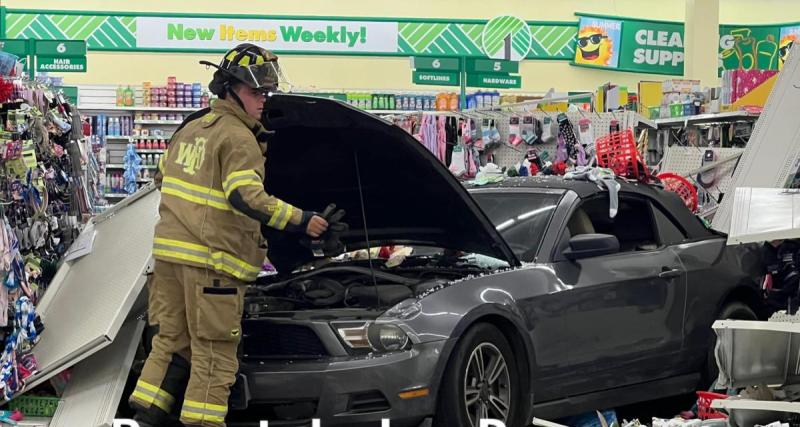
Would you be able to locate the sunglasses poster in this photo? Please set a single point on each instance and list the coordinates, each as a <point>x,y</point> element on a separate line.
<point>789,36</point>
<point>598,42</point>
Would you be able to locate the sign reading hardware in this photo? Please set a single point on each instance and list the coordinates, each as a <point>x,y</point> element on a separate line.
<point>626,44</point>
<point>435,64</point>
<point>494,81</point>
<point>61,65</point>
<point>436,78</point>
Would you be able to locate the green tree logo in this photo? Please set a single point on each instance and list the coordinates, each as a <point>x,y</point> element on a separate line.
<point>508,38</point>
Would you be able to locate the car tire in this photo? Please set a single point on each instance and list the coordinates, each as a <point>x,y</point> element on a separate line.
<point>731,311</point>
<point>490,397</point>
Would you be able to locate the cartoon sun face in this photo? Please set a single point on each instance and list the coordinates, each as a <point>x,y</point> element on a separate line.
<point>784,48</point>
<point>594,46</point>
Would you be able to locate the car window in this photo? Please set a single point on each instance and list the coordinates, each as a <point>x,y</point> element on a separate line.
<point>521,218</point>
<point>668,231</point>
<point>633,224</point>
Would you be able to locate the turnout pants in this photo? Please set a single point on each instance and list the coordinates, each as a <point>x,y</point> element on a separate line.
<point>199,313</point>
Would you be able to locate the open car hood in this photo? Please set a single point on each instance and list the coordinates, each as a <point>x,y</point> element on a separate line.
<point>322,149</point>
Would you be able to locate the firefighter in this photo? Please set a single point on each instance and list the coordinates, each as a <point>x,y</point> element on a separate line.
<point>207,243</point>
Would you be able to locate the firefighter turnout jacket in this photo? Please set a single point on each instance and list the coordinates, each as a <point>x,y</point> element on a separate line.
<point>212,195</point>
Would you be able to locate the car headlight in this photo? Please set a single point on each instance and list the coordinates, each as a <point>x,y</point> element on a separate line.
<point>386,337</point>
<point>378,337</point>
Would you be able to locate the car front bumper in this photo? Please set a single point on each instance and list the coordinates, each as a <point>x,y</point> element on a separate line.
<point>344,391</point>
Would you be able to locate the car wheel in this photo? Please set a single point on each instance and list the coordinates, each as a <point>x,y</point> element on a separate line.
<point>731,311</point>
<point>481,381</point>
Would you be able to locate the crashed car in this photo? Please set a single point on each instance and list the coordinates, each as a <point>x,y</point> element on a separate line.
<point>534,296</point>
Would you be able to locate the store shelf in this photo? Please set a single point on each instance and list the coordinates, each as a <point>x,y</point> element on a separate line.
<point>756,405</point>
<point>119,138</point>
<point>115,195</point>
<point>705,118</point>
<point>157,122</point>
<point>152,138</point>
<point>159,109</point>
<point>150,151</point>
<point>119,166</point>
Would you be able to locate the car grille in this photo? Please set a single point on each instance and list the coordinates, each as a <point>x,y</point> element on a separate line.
<point>275,341</point>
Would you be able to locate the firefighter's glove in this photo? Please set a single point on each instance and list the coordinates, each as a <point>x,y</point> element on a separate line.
<point>329,244</point>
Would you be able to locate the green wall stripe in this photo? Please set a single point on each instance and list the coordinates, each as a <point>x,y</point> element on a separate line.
<point>90,27</point>
<point>120,32</point>
<point>102,39</point>
<point>23,22</point>
<point>78,26</point>
<point>404,46</point>
<point>51,28</point>
<point>65,23</point>
<point>435,31</point>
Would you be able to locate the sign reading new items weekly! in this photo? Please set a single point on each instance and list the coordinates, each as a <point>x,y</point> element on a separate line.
<point>625,44</point>
<point>126,31</point>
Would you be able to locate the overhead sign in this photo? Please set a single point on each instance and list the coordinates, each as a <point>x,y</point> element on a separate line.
<point>756,47</point>
<point>276,34</point>
<point>435,63</point>
<point>492,66</point>
<point>61,65</point>
<point>494,81</point>
<point>436,78</point>
<point>70,48</point>
<point>625,44</point>
<point>20,48</point>
<point>118,31</point>
<point>507,37</point>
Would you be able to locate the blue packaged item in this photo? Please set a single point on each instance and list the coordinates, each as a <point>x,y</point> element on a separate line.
<point>590,419</point>
<point>495,98</point>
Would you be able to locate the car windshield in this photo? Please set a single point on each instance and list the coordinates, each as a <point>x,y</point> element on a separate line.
<point>521,218</point>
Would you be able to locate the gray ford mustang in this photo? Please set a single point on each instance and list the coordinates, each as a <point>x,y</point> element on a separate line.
<point>521,299</point>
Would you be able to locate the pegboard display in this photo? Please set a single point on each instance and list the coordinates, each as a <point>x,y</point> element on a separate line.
<point>508,155</point>
<point>682,160</point>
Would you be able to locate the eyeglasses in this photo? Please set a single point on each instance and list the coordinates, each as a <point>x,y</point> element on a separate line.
<point>594,38</point>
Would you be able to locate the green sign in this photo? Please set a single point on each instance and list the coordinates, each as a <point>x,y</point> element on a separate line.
<point>435,64</point>
<point>436,78</point>
<point>756,47</point>
<point>386,36</point>
<point>508,38</point>
<point>624,44</point>
<point>61,65</point>
<point>60,48</point>
<point>494,81</point>
<point>20,48</point>
<point>71,93</point>
<point>492,66</point>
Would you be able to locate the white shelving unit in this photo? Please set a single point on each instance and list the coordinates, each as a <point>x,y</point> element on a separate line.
<point>101,99</point>
<point>707,118</point>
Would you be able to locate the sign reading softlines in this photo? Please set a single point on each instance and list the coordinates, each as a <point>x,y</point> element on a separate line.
<point>276,34</point>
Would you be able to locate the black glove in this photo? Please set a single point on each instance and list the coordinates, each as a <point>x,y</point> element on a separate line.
<point>329,243</point>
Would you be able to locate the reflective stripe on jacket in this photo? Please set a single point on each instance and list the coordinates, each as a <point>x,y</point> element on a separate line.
<point>210,162</point>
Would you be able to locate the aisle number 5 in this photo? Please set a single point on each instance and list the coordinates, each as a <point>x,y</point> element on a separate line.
<point>498,66</point>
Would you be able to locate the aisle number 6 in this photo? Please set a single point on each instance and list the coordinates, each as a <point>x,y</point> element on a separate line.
<point>436,63</point>
<point>61,48</point>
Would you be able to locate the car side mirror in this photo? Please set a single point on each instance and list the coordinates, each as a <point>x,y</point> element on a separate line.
<point>591,245</point>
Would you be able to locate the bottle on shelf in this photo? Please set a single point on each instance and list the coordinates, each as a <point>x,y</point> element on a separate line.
<point>128,97</point>
<point>120,95</point>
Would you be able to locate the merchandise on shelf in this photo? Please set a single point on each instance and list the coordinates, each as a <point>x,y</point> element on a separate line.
<point>175,95</point>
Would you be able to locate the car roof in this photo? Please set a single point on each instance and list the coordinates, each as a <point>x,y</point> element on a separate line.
<point>582,188</point>
<point>586,189</point>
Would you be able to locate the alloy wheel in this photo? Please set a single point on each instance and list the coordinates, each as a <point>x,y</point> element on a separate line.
<point>487,385</point>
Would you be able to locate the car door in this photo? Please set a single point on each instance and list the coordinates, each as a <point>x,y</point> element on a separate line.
<point>621,315</point>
